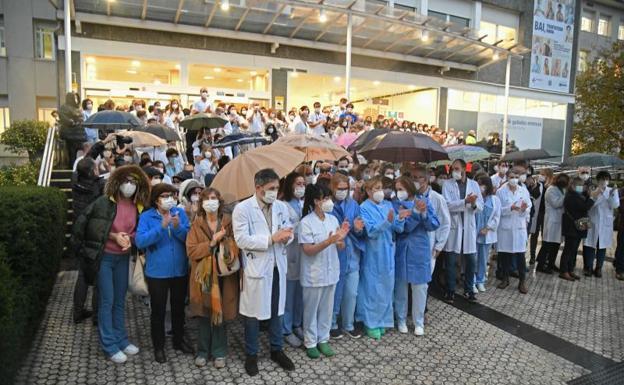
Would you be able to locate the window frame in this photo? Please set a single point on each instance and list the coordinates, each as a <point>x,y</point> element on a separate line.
<point>590,16</point>
<point>621,32</point>
<point>40,32</point>
<point>607,21</point>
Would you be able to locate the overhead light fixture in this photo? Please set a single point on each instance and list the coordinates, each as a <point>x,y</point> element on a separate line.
<point>177,66</point>
<point>217,69</point>
<point>495,56</point>
<point>239,80</point>
<point>322,16</point>
<point>208,77</point>
<point>424,36</point>
<point>253,73</point>
<point>294,74</point>
<point>376,82</point>
<point>133,72</point>
<point>336,78</point>
<point>411,86</point>
<point>157,82</point>
<point>225,5</point>
<point>90,59</point>
<point>135,63</point>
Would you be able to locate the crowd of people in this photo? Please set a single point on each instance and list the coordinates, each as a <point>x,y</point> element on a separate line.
<point>334,249</point>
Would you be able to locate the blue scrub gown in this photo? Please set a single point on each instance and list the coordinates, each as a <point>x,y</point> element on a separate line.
<point>376,288</point>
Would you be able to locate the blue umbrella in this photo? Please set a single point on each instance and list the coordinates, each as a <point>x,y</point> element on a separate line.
<point>110,120</point>
<point>239,139</point>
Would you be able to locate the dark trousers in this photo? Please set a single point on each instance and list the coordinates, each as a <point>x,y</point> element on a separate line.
<point>506,260</point>
<point>72,148</point>
<point>535,236</point>
<point>590,254</point>
<point>547,254</point>
<point>568,256</point>
<point>619,253</point>
<point>158,289</point>
<point>80,294</point>
<point>252,325</point>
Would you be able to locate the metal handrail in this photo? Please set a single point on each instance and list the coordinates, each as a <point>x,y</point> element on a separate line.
<point>47,161</point>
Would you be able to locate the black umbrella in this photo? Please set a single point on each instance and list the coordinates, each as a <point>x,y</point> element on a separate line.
<point>593,159</point>
<point>200,121</point>
<point>366,137</point>
<point>160,131</point>
<point>240,139</point>
<point>530,154</point>
<point>112,120</point>
<point>397,147</point>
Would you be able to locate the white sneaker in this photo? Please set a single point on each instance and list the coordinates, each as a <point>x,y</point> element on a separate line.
<point>131,350</point>
<point>419,331</point>
<point>119,358</point>
<point>219,362</point>
<point>292,340</point>
<point>475,290</point>
<point>200,361</point>
<point>402,327</point>
<point>481,287</point>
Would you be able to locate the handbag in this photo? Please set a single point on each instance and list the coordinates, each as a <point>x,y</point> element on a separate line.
<point>136,280</point>
<point>581,224</point>
<point>227,264</point>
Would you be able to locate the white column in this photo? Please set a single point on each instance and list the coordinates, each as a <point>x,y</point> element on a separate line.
<point>476,15</point>
<point>422,7</point>
<point>348,58</point>
<point>68,63</point>
<point>506,116</point>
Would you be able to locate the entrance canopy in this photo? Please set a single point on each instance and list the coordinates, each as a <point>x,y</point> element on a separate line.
<point>377,30</point>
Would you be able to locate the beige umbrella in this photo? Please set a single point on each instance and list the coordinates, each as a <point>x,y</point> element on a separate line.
<point>143,139</point>
<point>315,147</point>
<point>236,180</point>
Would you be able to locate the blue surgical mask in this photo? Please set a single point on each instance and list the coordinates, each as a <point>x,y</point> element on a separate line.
<point>578,189</point>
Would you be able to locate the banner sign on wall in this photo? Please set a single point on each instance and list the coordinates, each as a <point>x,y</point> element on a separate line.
<point>551,51</point>
<point>526,132</point>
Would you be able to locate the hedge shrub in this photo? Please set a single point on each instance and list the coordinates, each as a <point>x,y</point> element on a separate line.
<point>23,175</point>
<point>32,226</point>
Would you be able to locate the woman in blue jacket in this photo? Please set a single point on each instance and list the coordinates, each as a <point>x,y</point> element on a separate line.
<point>162,234</point>
<point>374,300</point>
<point>413,254</point>
<point>347,209</point>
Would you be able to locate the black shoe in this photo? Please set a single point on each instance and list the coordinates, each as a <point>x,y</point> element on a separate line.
<point>355,333</point>
<point>169,333</point>
<point>336,334</point>
<point>159,356</point>
<point>514,274</point>
<point>94,320</point>
<point>540,268</point>
<point>282,360</point>
<point>470,297</point>
<point>449,298</point>
<point>548,270</point>
<point>556,268</point>
<point>251,365</point>
<point>587,272</point>
<point>264,325</point>
<point>82,315</point>
<point>598,273</point>
<point>184,347</point>
<point>532,261</point>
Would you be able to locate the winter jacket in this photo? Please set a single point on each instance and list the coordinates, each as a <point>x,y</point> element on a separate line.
<point>85,191</point>
<point>575,206</point>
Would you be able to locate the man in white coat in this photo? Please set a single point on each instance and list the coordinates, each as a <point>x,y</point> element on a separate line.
<point>600,233</point>
<point>551,236</point>
<point>512,229</point>
<point>464,200</point>
<point>501,175</point>
<point>262,230</point>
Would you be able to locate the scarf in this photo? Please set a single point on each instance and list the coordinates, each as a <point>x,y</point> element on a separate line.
<point>208,279</point>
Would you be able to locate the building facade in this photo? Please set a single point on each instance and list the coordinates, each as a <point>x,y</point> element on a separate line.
<point>602,24</point>
<point>158,50</point>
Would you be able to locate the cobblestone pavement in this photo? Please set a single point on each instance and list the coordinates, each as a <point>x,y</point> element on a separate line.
<point>588,312</point>
<point>457,349</point>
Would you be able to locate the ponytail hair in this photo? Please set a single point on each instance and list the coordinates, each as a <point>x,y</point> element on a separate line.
<point>312,193</point>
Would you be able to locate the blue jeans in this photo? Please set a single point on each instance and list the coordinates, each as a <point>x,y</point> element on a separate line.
<point>483,252</point>
<point>345,299</point>
<point>112,287</point>
<point>317,314</point>
<point>619,253</point>
<point>589,254</point>
<point>470,265</point>
<point>293,311</point>
<point>252,325</point>
<point>419,301</point>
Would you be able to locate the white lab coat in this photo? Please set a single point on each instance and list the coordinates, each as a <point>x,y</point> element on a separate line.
<point>462,233</point>
<point>537,202</point>
<point>493,222</point>
<point>253,236</point>
<point>512,229</point>
<point>438,238</point>
<point>600,233</point>
<point>553,215</point>
<point>498,180</point>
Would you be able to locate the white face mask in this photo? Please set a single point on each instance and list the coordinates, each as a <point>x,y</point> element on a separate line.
<point>174,106</point>
<point>541,178</point>
<point>156,181</point>
<point>341,194</point>
<point>208,155</point>
<point>210,205</point>
<point>270,130</point>
<point>417,186</point>
<point>584,176</point>
<point>299,192</point>
<point>107,154</point>
<point>388,175</point>
<point>128,159</point>
<point>482,189</point>
<point>513,182</point>
<point>269,196</point>
<point>204,95</point>
<point>327,206</point>
<point>402,195</point>
<point>503,170</point>
<point>127,189</point>
<point>378,196</point>
<point>167,203</point>
<point>89,107</point>
<point>457,175</point>
<point>432,178</point>
<point>522,178</point>
<point>195,198</point>
<point>309,179</point>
